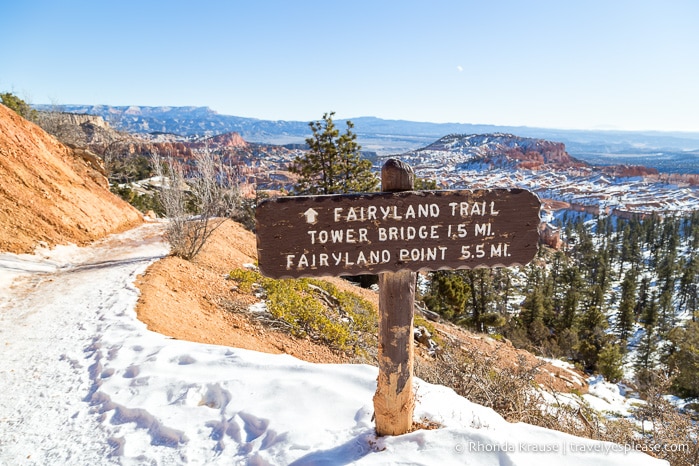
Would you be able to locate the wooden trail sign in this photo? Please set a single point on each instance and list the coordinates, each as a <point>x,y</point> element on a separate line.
<point>395,234</point>
<point>387,232</point>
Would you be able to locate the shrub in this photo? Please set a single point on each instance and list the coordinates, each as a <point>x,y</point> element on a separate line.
<point>143,202</point>
<point>316,309</point>
<point>196,204</point>
<point>20,107</point>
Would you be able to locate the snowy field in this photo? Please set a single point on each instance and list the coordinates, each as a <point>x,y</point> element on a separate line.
<point>83,382</point>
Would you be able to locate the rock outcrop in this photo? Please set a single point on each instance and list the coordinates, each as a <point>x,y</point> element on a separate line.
<point>504,150</point>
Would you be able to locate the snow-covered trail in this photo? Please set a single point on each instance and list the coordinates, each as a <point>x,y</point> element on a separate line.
<point>83,382</point>
<point>50,322</point>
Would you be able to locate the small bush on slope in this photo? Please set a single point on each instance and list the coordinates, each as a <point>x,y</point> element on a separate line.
<point>317,309</point>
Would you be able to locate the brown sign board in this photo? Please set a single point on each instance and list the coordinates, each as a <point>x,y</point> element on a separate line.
<point>354,234</point>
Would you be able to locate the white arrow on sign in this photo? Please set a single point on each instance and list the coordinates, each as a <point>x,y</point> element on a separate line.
<point>311,215</point>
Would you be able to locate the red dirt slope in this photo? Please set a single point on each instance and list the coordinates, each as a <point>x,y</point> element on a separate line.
<point>51,193</point>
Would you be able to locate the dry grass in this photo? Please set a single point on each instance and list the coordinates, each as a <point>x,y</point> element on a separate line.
<point>512,392</point>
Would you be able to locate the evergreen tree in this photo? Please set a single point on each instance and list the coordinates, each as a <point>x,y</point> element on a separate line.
<point>465,297</point>
<point>558,287</point>
<point>670,235</point>
<point>694,232</point>
<point>482,295</point>
<point>571,300</point>
<point>448,294</point>
<point>643,297</point>
<point>502,287</point>
<point>592,336</point>
<point>532,317</point>
<point>648,346</point>
<point>646,351</point>
<point>689,286</point>
<point>684,360</point>
<point>666,274</point>
<point>651,226</point>
<point>631,244</point>
<point>625,313</point>
<point>649,318</point>
<point>333,164</point>
<point>610,362</point>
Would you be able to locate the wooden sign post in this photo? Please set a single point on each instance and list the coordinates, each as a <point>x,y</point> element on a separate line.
<point>396,233</point>
<point>394,402</point>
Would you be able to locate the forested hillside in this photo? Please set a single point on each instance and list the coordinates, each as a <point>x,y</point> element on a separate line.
<point>619,298</point>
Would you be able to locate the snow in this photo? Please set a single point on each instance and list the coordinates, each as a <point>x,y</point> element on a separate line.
<point>566,372</point>
<point>83,382</point>
<point>610,397</point>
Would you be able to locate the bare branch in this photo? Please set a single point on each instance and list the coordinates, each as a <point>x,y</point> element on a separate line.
<point>198,204</point>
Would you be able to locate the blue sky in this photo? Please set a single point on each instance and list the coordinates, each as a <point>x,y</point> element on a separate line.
<point>559,64</point>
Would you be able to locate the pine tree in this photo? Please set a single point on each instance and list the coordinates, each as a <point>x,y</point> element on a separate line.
<point>649,318</point>
<point>482,295</point>
<point>694,232</point>
<point>571,300</point>
<point>610,363</point>
<point>631,244</point>
<point>333,164</point>
<point>651,226</point>
<point>684,360</point>
<point>502,287</point>
<point>666,282</point>
<point>592,336</point>
<point>448,294</point>
<point>689,286</point>
<point>648,346</point>
<point>625,315</point>
<point>634,249</point>
<point>465,297</point>
<point>532,316</point>
<point>643,297</point>
<point>558,287</point>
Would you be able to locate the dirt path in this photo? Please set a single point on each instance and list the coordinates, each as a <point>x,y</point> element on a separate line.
<point>51,322</point>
